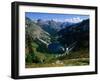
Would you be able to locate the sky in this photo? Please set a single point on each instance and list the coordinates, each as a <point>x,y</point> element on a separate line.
<point>74,18</point>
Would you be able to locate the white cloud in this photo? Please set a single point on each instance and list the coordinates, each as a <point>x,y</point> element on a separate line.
<point>74,20</point>
<point>57,20</point>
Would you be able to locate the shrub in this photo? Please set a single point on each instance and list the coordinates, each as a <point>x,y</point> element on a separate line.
<point>29,58</point>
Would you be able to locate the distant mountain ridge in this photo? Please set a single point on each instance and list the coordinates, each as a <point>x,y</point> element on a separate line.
<point>52,26</point>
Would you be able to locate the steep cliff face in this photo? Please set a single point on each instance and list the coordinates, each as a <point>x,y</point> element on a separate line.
<point>35,31</point>
<point>78,32</point>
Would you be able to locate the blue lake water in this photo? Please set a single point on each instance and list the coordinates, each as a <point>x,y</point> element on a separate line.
<point>56,48</point>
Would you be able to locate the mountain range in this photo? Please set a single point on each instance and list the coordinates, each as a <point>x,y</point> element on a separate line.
<point>64,32</point>
<point>52,26</point>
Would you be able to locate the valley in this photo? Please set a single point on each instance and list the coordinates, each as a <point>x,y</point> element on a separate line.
<point>54,44</point>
